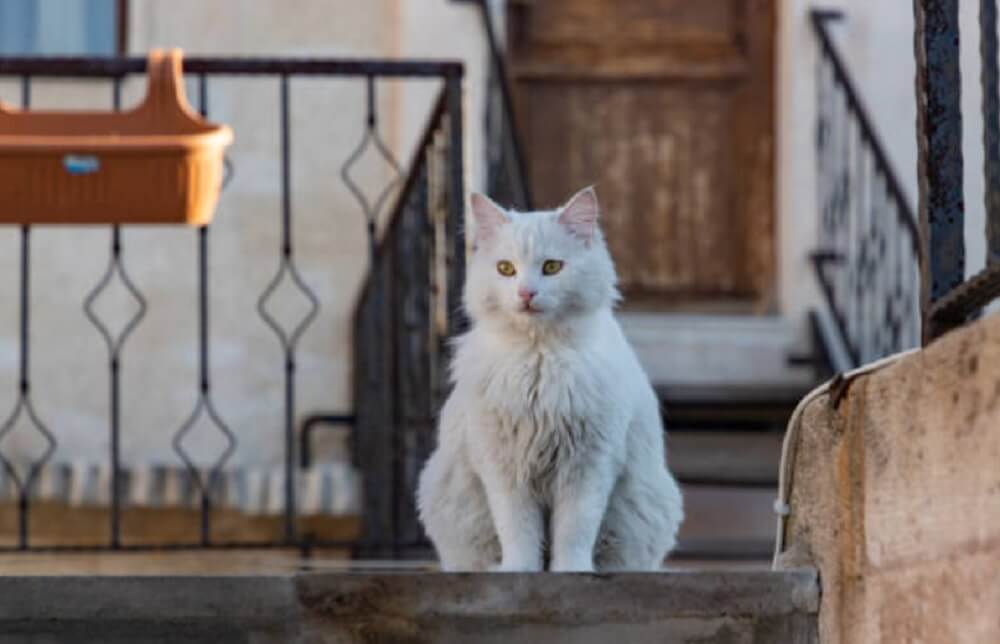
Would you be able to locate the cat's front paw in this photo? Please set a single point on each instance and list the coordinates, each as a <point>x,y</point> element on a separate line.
<point>572,564</point>
<point>516,566</point>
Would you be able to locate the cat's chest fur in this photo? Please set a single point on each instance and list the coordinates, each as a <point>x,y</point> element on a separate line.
<point>545,410</point>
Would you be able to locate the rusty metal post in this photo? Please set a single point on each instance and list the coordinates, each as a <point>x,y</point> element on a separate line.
<point>941,207</point>
<point>991,125</point>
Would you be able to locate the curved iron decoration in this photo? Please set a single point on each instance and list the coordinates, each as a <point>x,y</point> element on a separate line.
<point>286,264</point>
<point>114,345</point>
<point>115,267</point>
<point>23,403</point>
<point>204,404</point>
<point>371,137</point>
<point>25,484</point>
<point>289,342</point>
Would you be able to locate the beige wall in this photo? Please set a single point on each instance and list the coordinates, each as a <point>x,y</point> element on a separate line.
<point>896,497</point>
<point>327,115</point>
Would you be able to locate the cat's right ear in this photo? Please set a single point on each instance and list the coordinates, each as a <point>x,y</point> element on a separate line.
<point>489,217</point>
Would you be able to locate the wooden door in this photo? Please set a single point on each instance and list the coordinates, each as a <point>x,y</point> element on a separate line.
<point>667,107</point>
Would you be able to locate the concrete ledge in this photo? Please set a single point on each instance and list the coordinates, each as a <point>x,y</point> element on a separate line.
<point>671,607</point>
<point>145,598</point>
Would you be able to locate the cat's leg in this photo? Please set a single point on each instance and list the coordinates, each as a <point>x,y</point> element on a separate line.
<point>517,518</point>
<point>581,498</point>
<point>455,514</point>
<point>640,526</point>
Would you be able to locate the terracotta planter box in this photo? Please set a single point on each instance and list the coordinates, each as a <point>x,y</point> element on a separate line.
<point>160,163</point>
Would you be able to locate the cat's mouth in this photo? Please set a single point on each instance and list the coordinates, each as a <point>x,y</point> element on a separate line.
<point>530,310</point>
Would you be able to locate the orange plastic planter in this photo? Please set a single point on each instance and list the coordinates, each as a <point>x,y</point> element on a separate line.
<point>160,163</point>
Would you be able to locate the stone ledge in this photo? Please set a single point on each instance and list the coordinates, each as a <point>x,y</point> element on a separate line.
<point>895,496</point>
<point>753,607</point>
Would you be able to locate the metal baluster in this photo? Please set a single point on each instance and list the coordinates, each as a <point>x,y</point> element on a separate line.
<point>939,146</point>
<point>23,401</point>
<point>289,341</point>
<point>114,346</point>
<point>24,501</point>
<point>286,213</point>
<point>991,124</point>
<point>115,378</point>
<point>846,186</point>
<point>204,402</point>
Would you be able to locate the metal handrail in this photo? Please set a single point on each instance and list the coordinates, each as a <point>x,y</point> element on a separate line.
<point>950,298</point>
<point>518,195</point>
<point>854,260</point>
<point>820,18</point>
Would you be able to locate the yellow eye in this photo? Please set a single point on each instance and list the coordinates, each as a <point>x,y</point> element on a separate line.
<point>551,267</point>
<point>506,268</point>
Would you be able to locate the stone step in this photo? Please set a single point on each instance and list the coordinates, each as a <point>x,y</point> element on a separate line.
<point>725,458</point>
<point>689,350</point>
<point>755,607</point>
<point>725,522</point>
<point>728,407</point>
<point>729,481</point>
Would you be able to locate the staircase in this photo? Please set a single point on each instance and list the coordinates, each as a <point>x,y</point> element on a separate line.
<point>728,388</point>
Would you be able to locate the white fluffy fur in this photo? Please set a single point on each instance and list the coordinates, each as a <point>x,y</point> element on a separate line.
<point>550,448</point>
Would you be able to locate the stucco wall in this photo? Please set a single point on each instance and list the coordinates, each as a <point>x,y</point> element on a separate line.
<point>896,497</point>
<point>70,383</point>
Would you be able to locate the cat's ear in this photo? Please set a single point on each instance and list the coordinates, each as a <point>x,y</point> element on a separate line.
<point>489,217</point>
<point>579,215</point>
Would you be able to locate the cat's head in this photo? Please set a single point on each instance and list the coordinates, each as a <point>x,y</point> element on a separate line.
<point>538,268</point>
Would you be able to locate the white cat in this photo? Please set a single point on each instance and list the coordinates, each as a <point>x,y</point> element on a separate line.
<point>550,447</point>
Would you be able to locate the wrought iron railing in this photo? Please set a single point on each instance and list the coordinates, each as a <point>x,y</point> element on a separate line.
<point>507,178</point>
<point>409,307</point>
<point>868,248</point>
<point>404,316</point>
<point>949,299</point>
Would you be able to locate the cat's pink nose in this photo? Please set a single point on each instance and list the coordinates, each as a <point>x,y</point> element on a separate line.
<point>526,294</point>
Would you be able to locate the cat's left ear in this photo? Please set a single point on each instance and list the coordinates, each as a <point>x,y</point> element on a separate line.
<point>489,217</point>
<point>579,215</point>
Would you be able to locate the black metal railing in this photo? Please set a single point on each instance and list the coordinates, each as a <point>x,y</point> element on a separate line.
<point>408,308</point>
<point>868,248</point>
<point>507,179</point>
<point>949,299</point>
<point>404,317</point>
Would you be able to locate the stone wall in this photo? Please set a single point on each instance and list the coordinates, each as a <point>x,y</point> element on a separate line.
<point>896,497</point>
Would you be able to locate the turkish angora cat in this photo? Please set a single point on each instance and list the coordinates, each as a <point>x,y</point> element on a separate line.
<point>550,447</point>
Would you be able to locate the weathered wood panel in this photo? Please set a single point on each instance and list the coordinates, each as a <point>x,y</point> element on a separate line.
<point>666,106</point>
